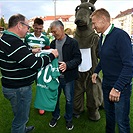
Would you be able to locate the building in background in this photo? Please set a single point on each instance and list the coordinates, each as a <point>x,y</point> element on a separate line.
<point>68,21</point>
<point>124,20</point>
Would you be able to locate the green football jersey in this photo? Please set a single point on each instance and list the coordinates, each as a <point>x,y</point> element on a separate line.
<point>36,42</point>
<point>47,85</point>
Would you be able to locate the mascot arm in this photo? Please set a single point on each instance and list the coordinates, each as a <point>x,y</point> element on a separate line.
<point>96,39</point>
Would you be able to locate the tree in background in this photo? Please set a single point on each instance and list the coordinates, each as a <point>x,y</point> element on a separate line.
<point>3,25</point>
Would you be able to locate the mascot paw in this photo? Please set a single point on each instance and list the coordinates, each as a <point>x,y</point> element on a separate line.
<point>94,116</point>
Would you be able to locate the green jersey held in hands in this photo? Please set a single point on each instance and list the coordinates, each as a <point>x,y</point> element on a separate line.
<point>47,85</point>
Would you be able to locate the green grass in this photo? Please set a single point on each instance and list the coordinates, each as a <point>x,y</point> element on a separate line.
<point>82,124</point>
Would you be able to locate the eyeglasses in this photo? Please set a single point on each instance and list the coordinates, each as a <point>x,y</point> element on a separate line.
<point>25,25</point>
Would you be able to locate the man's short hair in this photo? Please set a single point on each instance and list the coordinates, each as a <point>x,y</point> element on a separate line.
<point>56,23</point>
<point>38,21</point>
<point>13,20</point>
<point>100,12</point>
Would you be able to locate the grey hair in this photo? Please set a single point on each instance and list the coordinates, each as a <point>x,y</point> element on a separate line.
<point>57,23</point>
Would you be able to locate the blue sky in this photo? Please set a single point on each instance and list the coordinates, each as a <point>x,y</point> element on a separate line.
<point>32,8</point>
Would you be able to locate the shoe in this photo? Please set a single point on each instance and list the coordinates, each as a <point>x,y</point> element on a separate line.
<point>41,112</point>
<point>69,125</point>
<point>53,122</point>
<point>76,115</point>
<point>29,129</point>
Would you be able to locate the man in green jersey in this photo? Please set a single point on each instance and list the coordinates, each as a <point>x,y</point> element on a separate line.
<point>37,41</point>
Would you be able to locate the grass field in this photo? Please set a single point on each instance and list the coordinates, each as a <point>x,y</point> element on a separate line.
<point>81,125</point>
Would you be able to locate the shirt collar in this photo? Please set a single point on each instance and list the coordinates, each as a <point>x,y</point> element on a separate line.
<point>11,33</point>
<point>107,30</point>
<point>39,36</point>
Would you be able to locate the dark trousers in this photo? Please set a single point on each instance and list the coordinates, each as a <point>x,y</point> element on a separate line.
<point>117,112</point>
<point>68,89</point>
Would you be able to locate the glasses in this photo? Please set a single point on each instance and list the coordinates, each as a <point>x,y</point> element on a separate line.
<point>26,25</point>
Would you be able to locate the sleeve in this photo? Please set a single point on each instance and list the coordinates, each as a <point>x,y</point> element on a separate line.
<point>98,49</point>
<point>47,42</point>
<point>76,60</point>
<point>21,54</point>
<point>98,68</point>
<point>125,52</point>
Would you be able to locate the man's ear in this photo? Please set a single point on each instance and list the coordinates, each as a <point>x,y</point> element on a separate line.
<point>103,19</point>
<point>19,26</point>
<point>61,28</point>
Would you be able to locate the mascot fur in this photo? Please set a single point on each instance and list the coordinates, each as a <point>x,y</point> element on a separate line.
<point>88,41</point>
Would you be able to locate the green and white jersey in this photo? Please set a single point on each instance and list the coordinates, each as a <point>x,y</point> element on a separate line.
<point>47,85</point>
<point>36,42</point>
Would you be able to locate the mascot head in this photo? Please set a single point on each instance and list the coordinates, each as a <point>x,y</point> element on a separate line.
<point>83,12</point>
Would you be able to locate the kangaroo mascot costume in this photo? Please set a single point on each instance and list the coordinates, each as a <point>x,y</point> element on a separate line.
<point>88,44</point>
